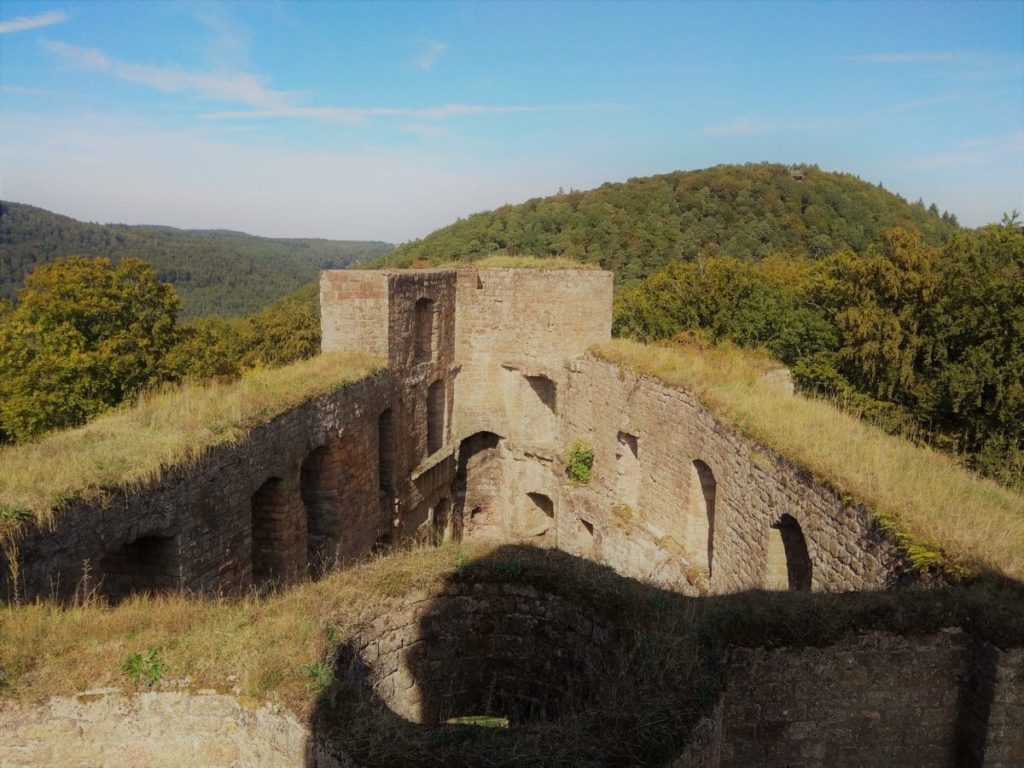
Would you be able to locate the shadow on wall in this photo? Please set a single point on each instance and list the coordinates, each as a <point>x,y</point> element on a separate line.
<point>532,657</point>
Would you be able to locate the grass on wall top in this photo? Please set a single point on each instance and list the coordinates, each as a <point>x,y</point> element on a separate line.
<point>131,445</point>
<point>932,506</point>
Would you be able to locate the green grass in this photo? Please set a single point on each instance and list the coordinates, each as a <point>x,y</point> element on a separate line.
<point>133,445</point>
<point>938,512</point>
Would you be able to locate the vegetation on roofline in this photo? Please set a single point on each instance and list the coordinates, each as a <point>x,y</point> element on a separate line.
<point>175,424</point>
<point>283,647</point>
<point>216,272</point>
<point>936,510</point>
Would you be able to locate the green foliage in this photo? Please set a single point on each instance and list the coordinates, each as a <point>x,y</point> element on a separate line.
<point>579,461</point>
<point>215,271</point>
<point>285,332</point>
<point>84,336</point>
<point>923,341</point>
<point>319,676</point>
<point>745,211</point>
<point>146,668</point>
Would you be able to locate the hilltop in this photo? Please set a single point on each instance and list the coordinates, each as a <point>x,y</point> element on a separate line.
<point>216,272</point>
<point>635,228</point>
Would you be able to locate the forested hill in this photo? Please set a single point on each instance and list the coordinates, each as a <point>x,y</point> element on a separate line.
<point>635,228</point>
<point>216,272</point>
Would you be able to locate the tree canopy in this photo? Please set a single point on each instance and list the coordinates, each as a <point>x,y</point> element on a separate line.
<point>84,336</point>
<point>635,228</point>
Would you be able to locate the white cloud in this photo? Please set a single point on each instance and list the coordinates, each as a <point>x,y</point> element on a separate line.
<point>24,23</point>
<point>238,87</point>
<point>435,50</point>
<point>752,126</point>
<point>354,115</point>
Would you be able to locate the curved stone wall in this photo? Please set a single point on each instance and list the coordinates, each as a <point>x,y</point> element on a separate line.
<point>494,650</point>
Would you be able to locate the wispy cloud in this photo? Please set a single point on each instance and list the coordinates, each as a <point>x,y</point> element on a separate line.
<point>24,23</point>
<point>749,125</point>
<point>354,115</point>
<point>435,50</point>
<point>910,57</point>
<point>973,153</point>
<point>239,87</point>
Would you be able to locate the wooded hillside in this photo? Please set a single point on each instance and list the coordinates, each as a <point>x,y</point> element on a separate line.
<point>216,272</point>
<point>746,211</point>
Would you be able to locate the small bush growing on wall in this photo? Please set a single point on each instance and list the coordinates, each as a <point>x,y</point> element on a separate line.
<point>580,461</point>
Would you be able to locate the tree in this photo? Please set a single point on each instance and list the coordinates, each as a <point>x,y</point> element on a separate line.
<point>83,337</point>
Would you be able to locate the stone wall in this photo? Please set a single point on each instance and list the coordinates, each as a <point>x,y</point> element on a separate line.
<point>671,483</point>
<point>482,650</point>
<point>875,699</point>
<point>493,354</point>
<point>153,730</point>
<point>202,526</point>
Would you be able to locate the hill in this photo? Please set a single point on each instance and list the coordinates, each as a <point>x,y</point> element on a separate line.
<point>216,272</point>
<point>635,228</point>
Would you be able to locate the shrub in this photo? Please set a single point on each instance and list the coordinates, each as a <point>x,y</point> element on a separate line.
<point>145,668</point>
<point>580,461</point>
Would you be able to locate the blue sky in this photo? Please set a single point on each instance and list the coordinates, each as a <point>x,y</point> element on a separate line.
<point>388,120</point>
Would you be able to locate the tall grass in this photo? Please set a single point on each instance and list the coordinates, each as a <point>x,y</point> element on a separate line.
<point>130,446</point>
<point>927,500</point>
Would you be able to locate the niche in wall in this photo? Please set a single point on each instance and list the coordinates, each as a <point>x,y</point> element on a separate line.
<point>627,468</point>
<point>700,515</point>
<point>276,537</point>
<point>318,486</point>
<point>147,564</point>
<point>386,453</point>
<point>435,416</point>
<point>424,343</point>
<point>536,517</point>
<point>788,565</point>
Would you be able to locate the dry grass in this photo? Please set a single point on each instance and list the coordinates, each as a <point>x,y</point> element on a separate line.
<point>925,498</point>
<point>257,646</point>
<point>132,445</point>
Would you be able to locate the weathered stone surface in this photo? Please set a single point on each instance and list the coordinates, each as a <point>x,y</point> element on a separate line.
<point>152,730</point>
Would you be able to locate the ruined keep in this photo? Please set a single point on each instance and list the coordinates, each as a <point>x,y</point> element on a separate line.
<point>488,380</point>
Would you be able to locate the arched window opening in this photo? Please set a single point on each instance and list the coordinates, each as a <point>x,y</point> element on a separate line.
<point>424,332</point>
<point>788,564</point>
<point>147,564</point>
<point>627,467</point>
<point>700,534</point>
<point>385,453</point>
<point>319,490</point>
<point>435,416</point>
<point>273,533</point>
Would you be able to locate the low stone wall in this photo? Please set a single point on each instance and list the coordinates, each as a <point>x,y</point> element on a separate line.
<point>152,730</point>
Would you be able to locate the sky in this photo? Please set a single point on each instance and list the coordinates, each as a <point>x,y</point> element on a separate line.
<point>387,120</point>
